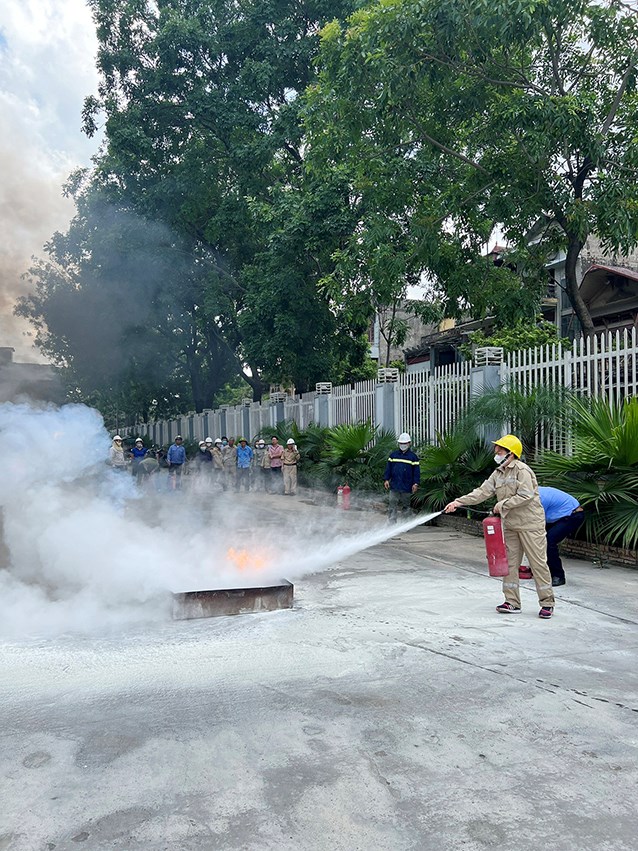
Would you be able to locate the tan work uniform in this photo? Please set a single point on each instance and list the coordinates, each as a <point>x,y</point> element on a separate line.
<point>516,489</point>
<point>229,455</point>
<point>290,460</point>
<point>217,465</point>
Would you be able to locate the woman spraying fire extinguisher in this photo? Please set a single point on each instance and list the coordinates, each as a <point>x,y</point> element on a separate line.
<point>516,489</point>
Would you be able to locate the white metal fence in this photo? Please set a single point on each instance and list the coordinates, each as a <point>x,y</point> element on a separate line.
<point>605,365</point>
<point>429,403</point>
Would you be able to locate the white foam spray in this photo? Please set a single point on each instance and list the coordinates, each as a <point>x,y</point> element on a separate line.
<point>323,555</point>
<point>86,550</point>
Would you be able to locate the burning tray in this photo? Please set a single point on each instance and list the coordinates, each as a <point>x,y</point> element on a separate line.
<point>232,601</point>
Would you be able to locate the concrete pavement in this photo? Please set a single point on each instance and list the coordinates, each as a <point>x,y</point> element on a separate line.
<point>392,708</point>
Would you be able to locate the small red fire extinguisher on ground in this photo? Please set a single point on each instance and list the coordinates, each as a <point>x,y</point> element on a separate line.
<point>346,497</point>
<point>495,547</point>
<point>343,497</point>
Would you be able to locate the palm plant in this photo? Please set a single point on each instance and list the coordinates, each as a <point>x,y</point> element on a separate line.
<point>355,454</point>
<point>602,471</point>
<point>532,414</point>
<point>455,465</point>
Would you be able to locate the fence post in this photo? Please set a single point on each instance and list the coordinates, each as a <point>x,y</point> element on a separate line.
<point>245,419</point>
<point>277,413</point>
<point>486,374</point>
<point>323,404</point>
<point>387,395</point>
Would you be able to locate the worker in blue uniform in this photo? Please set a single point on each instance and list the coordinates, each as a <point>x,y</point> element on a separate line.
<point>401,477</point>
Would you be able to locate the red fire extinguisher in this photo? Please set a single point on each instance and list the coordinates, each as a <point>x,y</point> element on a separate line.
<point>343,497</point>
<point>495,547</point>
<point>346,497</point>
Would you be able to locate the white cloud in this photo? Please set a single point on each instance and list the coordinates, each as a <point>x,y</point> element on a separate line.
<point>47,67</point>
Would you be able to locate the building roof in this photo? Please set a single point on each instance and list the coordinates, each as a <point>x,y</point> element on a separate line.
<point>598,277</point>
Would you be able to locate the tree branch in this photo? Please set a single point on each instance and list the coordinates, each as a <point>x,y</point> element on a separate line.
<point>616,102</point>
<point>456,154</point>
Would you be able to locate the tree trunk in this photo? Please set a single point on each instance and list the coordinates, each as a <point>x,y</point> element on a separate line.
<point>572,287</point>
<point>257,385</point>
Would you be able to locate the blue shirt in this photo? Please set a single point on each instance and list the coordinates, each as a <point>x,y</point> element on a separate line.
<point>176,454</point>
<point>244,456</point>
<point>557,504</point>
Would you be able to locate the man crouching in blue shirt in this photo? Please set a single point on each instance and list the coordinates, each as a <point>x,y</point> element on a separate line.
<point>402,477</point>
<point>563,517</point>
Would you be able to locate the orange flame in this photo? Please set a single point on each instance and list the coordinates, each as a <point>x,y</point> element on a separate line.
<point>244,560</point>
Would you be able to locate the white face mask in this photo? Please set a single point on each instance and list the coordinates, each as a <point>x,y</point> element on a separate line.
<point>498,459</point>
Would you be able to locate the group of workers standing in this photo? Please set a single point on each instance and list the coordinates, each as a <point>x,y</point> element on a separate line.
<point>221,463</point>
<point>535,520</point>
<point>232,466</point>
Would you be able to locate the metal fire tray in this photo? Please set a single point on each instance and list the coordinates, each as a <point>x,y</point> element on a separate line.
<point>232,601</point>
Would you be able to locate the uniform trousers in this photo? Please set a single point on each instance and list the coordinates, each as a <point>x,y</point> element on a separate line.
<point>534,543</point>
<point>290,478</point>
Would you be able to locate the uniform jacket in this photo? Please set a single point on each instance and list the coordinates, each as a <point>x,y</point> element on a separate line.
<point>203,458</point>
<point>176,455</point>
<point>291,456</point>
<point>258,453</point>
<point>218,458</point>
<point>229,454</point>
<point>117,457</point>
<point>515,487</point>
<point>402,470</point>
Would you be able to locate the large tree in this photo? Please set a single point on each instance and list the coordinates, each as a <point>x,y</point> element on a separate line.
<point>201,109</point>
<point>453,119</point>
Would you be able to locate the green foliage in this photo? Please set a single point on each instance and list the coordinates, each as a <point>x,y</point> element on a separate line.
<point>356,455</point>
<point>455,465</point>
<point>529,413</point>
<point>519,336</point>
<point>602,471</point>
<point>449,119</point>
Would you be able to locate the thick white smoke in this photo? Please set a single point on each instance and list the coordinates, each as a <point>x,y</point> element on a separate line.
<point>85,549</point>
<point>81,548</point>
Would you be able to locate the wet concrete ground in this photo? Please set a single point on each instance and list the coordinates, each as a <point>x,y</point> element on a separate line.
<point>392,708</point>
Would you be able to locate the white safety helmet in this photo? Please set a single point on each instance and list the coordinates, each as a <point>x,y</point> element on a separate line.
<point>139,440</point>
<point>202,443</point>
<point>218,440</point>
<point>404,438</point>
<point>208,440</point>
<point>290,442</point>
<point>117,437</point>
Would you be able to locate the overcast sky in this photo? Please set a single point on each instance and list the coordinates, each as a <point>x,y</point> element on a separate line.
<point>47,67</point>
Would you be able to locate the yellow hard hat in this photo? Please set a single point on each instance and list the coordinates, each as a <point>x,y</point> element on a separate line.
<point>511,442</point>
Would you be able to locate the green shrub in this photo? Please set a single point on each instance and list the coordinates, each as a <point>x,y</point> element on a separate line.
<point>529,413</point>
<point>602,471</point>
<point>355,454</point>
<point>455,465</point>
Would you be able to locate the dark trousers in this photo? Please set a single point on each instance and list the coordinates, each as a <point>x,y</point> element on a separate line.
<point>276,480</point>
<point>398,499</point>
<point>557,532</point>
<point>243,478</point>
